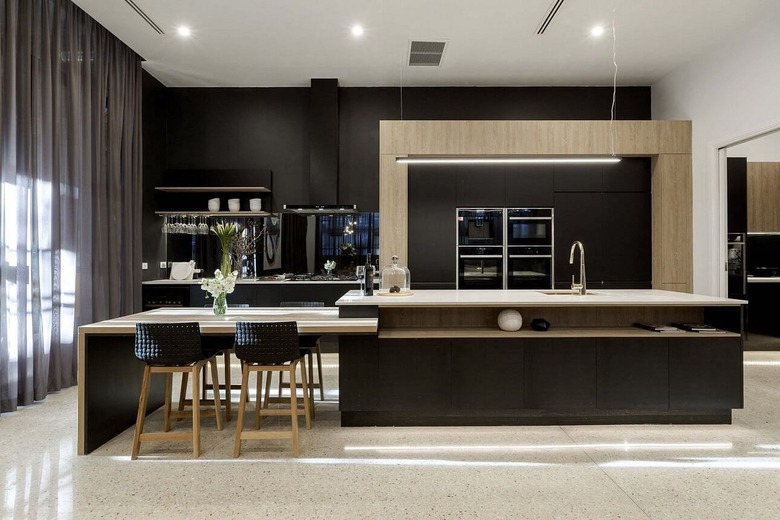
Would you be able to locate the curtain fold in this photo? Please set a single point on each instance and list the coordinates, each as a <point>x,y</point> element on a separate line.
<point>70,188</point>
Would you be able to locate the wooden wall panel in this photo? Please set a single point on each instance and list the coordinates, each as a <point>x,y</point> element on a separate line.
<point>763,196</point>
<point>533,137</point>
<point>668,142</point>
<point>672,221</point>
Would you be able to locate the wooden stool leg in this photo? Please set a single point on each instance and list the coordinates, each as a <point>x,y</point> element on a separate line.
<point>320,381</point>
<point>196,409</point>
<point>139,421</point>
<point>309,395</point>
<point>268,388</point>
<point>228,387</point>
<point>183,392</point>
<point>167,412</point>
<point>257,397</point>
<point>294,408</point>
<point>215,386</point>
<point>308,404</point>
<point>241,407</point>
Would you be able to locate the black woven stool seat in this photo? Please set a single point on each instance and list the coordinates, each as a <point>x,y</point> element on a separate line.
<point>267,342</point>
<point>169,344</point>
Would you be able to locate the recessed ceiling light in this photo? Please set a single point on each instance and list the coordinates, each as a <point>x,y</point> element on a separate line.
<point>597,31</point>
<point>183,31</point>
<point>357,31</point>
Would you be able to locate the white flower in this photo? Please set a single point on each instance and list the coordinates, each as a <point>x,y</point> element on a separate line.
<point>330,265</point>
<point>220,284</point>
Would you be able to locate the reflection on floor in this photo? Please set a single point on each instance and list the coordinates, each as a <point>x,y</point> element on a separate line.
<point>756,341</point>
<point>647,471</point>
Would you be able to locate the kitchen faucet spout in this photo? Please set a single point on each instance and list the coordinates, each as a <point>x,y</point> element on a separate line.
<point>580,288</point>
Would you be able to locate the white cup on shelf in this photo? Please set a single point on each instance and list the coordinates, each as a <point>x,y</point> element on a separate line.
<point>213,204</point>
<point>234,204</point>
<point>255,204</point>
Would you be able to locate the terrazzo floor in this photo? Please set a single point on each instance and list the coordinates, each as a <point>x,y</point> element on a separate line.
<point>600,472</point>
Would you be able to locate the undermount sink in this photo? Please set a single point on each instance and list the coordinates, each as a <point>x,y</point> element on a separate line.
<point>567,292</point>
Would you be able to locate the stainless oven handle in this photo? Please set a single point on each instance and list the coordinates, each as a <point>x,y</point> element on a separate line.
<point>481,256</point>
<point>530,218</point>
<point>530,256</point>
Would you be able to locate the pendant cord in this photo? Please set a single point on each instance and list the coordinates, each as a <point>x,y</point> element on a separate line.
<point>614,81</point>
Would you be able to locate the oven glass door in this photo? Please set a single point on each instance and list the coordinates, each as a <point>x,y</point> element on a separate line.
<point>529,226</point>
<point>480,227</point>
<point>480,268</point>
<point>529,268</point>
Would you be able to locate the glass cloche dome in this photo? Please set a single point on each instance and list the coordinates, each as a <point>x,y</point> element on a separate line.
<point>394,278</point>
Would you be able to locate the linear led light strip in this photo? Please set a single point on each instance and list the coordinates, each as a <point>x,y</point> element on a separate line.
<point>505,160</point>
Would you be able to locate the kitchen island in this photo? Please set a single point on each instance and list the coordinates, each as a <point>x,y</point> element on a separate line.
<point>439,358</point>
<point>110,375</point>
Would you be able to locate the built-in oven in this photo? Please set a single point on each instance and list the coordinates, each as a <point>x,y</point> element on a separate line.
<point>529,267</point>
<point>480,267</point>
<point>529,226</point>
<point>480,226</point>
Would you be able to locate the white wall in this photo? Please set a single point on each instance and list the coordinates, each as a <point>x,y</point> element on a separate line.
<point>761,149</point>
<point>729,93</point>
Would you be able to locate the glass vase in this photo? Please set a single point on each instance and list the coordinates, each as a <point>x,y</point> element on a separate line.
<point>220,305</point>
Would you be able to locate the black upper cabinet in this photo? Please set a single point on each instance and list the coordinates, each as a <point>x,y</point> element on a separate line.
<point>736,179</point>
<point>578,216</point>
<point>625,241</point>
<point>529,186</point>
<point>480,185</point>
<point>578,177</point>
<point>631,174</point>
<point>432,202</point>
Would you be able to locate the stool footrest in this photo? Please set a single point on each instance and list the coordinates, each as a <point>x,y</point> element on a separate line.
<point>254,435</point>
<point>166,436</point>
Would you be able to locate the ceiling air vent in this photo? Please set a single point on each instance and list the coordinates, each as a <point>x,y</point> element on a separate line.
<point>146,18</point>
<point>548,16</point>
<point>426,54</point>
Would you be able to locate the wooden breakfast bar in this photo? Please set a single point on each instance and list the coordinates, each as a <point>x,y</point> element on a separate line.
<point>110,375</point>
<point>439,358</point>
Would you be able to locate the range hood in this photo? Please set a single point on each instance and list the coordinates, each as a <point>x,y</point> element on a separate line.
<point>323,153</point>
<point>321,209</point>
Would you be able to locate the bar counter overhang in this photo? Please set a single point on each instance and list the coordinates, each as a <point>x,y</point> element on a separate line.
<point>110,375</point>
<point>439,358</point>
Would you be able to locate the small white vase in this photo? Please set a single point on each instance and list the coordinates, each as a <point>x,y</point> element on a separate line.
<point>510,320</point>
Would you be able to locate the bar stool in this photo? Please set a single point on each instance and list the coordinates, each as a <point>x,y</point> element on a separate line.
<point>169,348</point>
<point>270,347</point>
<point>311,345</point>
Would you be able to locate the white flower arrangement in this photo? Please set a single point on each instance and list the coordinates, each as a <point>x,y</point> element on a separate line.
<point>220,284</point>
<point>330,265</point>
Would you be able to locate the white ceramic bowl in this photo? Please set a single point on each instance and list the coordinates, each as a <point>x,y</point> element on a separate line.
<point>255,204</point>
<point>213,204</point>
<point>234,204</point>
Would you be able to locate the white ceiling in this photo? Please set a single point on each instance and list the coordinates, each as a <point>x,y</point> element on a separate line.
<point>491,42</point>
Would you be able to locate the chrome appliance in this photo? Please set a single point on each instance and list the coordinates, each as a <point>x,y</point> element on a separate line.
<point>480,227</point>
<point>480,267</point>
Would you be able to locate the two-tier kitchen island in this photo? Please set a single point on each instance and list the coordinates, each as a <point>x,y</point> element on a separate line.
<point>439,358</point>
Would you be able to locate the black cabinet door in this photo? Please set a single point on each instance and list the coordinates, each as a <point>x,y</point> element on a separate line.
<point>626,242</point>
<point>480,185</point>
<point>736,180</point>
<point>578,216</point>
<point>560,374</point>
<point>529,186</point>
<point>633,373</point>
<point>717,386</point>
<point>432,224</point>
<point>631,174</point>
<point>503,390</point>
<point>415,375</point>
<point>358,373</point>
<point>578,177</point>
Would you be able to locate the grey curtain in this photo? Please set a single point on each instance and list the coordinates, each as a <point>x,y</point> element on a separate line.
<point>70,188</point>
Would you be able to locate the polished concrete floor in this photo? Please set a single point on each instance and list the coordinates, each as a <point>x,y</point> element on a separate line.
<point>712,472</point>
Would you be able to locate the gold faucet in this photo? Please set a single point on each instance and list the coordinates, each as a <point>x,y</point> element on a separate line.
<point>580,288</point>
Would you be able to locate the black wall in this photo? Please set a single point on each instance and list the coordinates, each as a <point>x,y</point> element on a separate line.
<point>267,128</point>
<point>154,164</point>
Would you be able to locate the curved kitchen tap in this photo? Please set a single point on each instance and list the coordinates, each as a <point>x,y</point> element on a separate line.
<point>581,287</point>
